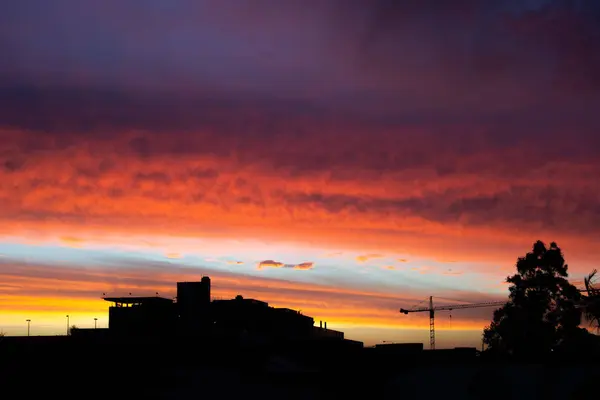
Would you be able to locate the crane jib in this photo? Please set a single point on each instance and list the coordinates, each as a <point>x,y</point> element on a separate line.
<point>432,309</point>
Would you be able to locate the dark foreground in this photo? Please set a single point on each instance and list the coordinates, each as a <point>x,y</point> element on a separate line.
<point>67,369</point>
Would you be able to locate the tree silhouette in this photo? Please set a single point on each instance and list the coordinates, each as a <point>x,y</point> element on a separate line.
<point>541,312</point>
<point>592,309</point>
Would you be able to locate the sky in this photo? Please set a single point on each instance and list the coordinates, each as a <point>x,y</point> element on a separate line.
<point>342,157</point>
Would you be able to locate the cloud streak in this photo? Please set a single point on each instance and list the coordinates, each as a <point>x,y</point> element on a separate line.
<point>276,264</point>
<point>367,257</point>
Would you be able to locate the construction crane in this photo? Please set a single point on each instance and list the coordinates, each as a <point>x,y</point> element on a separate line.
<point>433,309</point>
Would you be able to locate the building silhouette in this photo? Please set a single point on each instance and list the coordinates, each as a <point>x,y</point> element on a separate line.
<point>134,316</point>
<point>257,318</point>
<point>193,314</point>
<point>193,306</point>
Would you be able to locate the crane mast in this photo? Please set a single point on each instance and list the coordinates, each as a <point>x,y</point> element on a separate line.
<point>431,309</point>
<point>431,324</point>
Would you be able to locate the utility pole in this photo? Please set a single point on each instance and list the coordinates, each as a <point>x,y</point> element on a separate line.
<point>95,323</point>
<point>28,326</point>
<point>67,324</point>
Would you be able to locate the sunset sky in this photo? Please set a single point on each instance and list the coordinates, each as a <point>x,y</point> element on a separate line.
<point>342,157</point>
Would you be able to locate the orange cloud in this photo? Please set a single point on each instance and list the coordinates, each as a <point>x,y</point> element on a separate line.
<point>276,264</point>
<point>269,264</point>
<point>209,193</point>
<point>173,256</point>
<point>366,257</point>
<point>304,265</point>
<point>235,262</point>
<point>72,241</point>
<point>390,267</point>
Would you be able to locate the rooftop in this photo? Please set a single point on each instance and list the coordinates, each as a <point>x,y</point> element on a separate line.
<point>242,300</point>
<point>138,300</point>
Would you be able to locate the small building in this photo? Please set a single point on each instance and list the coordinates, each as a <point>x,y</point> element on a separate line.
<point>141,316</point>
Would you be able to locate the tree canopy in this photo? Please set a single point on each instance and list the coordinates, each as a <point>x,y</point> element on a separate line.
<point>541,312</point>
<point>592,310</point>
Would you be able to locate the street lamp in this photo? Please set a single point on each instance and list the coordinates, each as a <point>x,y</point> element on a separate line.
<point>67,325</point>
<point>95,323</point>
<point>28,326</point>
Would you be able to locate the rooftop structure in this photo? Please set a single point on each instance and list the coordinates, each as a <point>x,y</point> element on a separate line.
<point>141,315</point>
<point>137,301</point>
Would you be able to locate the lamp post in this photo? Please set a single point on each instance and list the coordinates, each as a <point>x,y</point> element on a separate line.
<point>95,323</point>
<point>67,325</point>
<point>28,326</point>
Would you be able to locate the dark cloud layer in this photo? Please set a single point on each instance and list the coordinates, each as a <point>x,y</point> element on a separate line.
<point>470,78</point>
<point>384,57</point>
<point>351,113</point>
